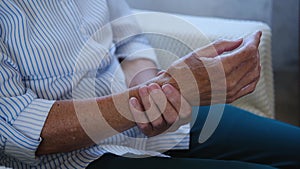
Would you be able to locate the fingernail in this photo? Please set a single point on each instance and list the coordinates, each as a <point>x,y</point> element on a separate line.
<point>154,87</point>
<point>167,89</point>
<point>259,33</point>
<point>133,101</point>
<point>240,41</point>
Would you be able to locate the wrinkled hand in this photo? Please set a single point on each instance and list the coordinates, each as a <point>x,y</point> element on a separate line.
<point>161,109</point>
<point>229,76</point>
<point>218,73</point>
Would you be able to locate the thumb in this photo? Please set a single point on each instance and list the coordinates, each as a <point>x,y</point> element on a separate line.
<point>226,46</point>
<point>254,38</point>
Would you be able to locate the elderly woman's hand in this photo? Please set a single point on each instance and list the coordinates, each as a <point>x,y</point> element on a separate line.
<point>205,77</point>
<point>161,109</point>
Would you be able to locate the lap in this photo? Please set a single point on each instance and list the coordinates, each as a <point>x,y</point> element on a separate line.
<point>243,136</point>
<point>241,140</point>
<point>116,162</point>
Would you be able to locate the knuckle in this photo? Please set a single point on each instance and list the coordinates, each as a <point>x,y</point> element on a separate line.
<point>171,120</point>
<point>158,125</point>
<point>145,127</point>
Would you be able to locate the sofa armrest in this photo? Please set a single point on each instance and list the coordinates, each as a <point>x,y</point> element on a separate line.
<point>176,35</point>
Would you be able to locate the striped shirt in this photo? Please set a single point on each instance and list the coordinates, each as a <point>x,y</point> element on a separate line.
<point>54,50</point>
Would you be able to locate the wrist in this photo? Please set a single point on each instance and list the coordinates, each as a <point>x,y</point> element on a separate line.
<point>143,76</point>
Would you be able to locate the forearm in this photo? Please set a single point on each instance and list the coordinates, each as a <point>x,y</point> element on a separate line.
<point>62,131</point>
<point>76,124</point>
<point>72,125</point>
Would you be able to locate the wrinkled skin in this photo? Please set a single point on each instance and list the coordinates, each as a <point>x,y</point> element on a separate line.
<point>203,77</point>
<point>238,70</point>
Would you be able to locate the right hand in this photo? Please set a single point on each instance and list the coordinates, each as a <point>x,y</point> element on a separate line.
<point>240,68</point>
<point>160,109</point>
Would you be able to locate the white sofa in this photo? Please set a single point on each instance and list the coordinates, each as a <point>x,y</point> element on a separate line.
<point>176,35</point>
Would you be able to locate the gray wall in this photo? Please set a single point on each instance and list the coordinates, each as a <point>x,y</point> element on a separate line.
<point>285,25</point>
<point>281,15</point>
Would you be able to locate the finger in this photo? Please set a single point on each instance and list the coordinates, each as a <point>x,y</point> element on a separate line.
<point>158,99</point>
<point>139,116</point>
<point>178,102</point>
<point>153,114</point>
<point>226,46</point>
<point>149,106</point>
<point>245,91</point>
<point>254,38</point>
<point>218,47</point>
<point>169,114</point>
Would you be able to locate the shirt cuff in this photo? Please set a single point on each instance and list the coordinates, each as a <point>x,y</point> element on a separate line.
<point>23,138</point>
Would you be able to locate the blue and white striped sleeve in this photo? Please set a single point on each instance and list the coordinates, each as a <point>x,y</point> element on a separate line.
<point>127,35</point>
<point>22,115</point>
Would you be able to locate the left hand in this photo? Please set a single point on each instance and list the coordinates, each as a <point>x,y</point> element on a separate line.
<point>206,77</point>
<point>160,109</point>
